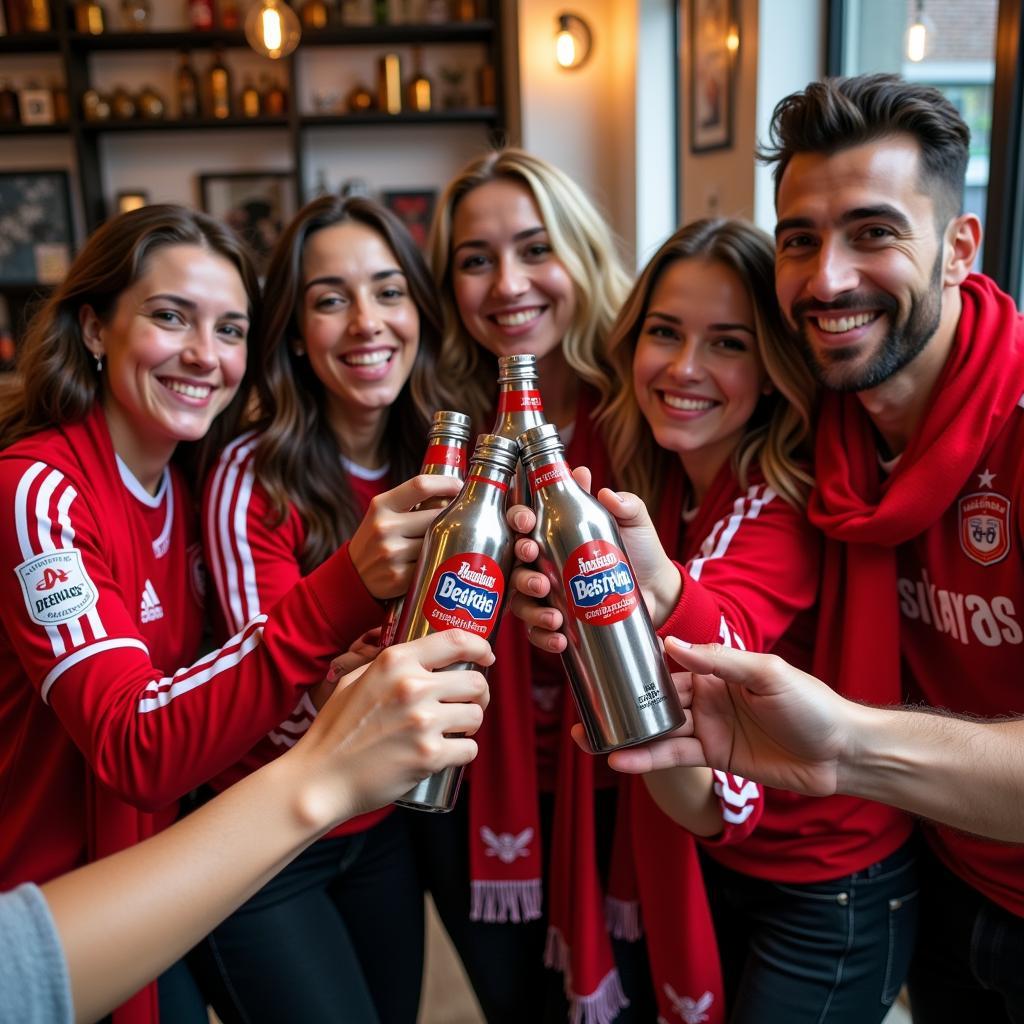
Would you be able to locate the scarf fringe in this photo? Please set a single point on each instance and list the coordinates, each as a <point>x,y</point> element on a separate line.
<point>497,902</point>
<point>623,919</point>
<point>602,1005</point>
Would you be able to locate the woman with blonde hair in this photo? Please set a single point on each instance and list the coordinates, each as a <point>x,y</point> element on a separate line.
<point>525,264</point>
<point>709,425</point>
<point>347,388</point>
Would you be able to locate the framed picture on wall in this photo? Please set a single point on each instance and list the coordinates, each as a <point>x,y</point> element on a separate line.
<point>713,43</point>
<point>36,233</point>
<point>414,210</point>
<point>257,204</point>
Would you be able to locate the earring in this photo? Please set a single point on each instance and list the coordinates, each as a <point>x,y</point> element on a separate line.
<point>99,361</point>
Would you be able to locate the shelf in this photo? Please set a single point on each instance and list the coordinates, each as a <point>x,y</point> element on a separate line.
<point>390,35</point>
<point>57,128</point>
<point>380,35</point>
<point>410,117</point>
<point>86,43</point>
<point>173,125</point>
<point>30,42</point>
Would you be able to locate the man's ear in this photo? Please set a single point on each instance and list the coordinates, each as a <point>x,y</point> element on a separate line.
<point>962,241</point>
<point>92,331</point>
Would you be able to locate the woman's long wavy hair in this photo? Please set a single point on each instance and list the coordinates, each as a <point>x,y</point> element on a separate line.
<point>580,238</point>
<point>777,434</point>
<point>297,456</point>
<point>55,380</point>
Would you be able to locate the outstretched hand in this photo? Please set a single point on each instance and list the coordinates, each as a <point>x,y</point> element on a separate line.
<point>752,714</point>
<point>394,721</point>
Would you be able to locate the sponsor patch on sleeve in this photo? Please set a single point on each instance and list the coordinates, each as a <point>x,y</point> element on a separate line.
<point>56,587</point>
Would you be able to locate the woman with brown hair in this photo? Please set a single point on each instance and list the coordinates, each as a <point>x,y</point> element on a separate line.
<point>133,358</point>
<point>346,391</point>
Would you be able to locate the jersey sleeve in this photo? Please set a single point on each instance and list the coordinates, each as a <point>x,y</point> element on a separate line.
<point>755,571</point>
<point>252,564</point>
<point>149,734</point>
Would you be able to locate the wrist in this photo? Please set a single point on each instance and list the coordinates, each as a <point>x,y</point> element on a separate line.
<point>871,750</point>
<point>317,800</point>
<point>667,589</point>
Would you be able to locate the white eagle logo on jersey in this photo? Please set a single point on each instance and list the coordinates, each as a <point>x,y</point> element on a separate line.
<point>691,1010</point>
<point>507,847</point>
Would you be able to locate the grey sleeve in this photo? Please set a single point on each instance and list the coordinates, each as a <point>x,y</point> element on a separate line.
<point>34,984</point>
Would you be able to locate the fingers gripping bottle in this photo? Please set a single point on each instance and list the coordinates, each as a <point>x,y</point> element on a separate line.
<point>616,668</point>
<point>519,408</point>
<point>460,579</point>
<point>445,456</point>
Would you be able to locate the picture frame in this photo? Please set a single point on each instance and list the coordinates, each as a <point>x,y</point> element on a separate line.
<point>414,209</point>
<point>257,204</point>
<point>36,106</point>
<point>711,79</point>
<point>125,202</point>
<point>36,228</point>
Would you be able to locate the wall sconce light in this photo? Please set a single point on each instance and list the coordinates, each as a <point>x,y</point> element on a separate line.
<point>732,40</point>
<point>920,35</point>
<point>272,29</point>
<point>573,41</point>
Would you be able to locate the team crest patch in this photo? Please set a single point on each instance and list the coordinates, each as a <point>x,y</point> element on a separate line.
<point>985,527</point>
<point>56,587</point>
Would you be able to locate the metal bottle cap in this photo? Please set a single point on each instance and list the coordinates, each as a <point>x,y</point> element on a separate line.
<point>516,368</point>
<point>496,452</point>
<point>539,441</point>
<point>455,423</point>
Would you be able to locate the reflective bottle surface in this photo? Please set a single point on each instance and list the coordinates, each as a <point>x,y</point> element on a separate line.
<point>460,579</point>
<point>519,408</point>
<point>618,673</point>
<point>445,456</point>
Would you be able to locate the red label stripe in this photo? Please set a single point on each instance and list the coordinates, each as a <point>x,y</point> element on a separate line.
<point>547,475</point>
<point>520,401</point>
<point>445,455</point>
<point>489,482</point>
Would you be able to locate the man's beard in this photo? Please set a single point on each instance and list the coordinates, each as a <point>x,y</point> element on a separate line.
<point>899,346</point>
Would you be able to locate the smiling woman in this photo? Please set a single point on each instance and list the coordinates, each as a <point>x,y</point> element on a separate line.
<point>347,389</point>
<point>139,352</point>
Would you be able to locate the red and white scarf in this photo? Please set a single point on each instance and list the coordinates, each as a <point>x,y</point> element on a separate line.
<point>866,515</point>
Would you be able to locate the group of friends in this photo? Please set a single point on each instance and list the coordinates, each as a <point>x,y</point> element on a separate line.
<point>811,445</point>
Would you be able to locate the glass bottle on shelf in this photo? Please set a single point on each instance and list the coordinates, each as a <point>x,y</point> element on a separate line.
<point>151,104</point>
<point>389,84</point>
<point>200,14</point>
<point>15,11</point>
<point>218,87</point>
<point>465,10</point>
<point>250,100</point>
<point>90,18</point>
<point>227,12</point>
<point>187,84</point>
<point>417,92</point>
<point>122,104</point>
<point>135,14</point>
<point>275,99</point>
<point>436,12</point>
<point>10,107</point>
<point>314,14</point>
<point>357,12</point>
<point>61,104</point>
<point>487,86</point>
<point>37,16</point>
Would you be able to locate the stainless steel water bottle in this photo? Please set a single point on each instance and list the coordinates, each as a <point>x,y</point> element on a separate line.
<point>519,408</point>
<point>445,456</point>
<point>460,579</point>
<point>616,668</point>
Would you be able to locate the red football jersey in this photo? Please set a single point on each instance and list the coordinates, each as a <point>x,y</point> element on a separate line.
<point>751,581</point>
<point>961,594</point>
<point>253,564</point>
<point>99,605</point>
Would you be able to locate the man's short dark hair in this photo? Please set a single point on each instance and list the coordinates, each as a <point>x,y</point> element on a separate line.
<point>837,113</point>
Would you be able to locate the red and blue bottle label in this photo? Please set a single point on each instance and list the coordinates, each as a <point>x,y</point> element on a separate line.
<point>599,585</point>
<point>465,592</point>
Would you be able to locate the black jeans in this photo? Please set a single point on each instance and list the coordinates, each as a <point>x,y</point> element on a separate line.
<point>335,938</point>
<point>831,952</point>
<point>505,962</point>
<point>969,963</point>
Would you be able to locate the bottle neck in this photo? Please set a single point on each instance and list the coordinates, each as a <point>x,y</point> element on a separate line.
<point>487,484</point>
<point>516,396</point>
<point>549,473</point>
<point>445,456</point>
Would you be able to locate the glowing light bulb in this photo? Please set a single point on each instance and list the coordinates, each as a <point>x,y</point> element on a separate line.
<point>917,39</point>
<point>565,49</point>
<point>573,41</point>
<point>732,40</point>
<point>272,29</point>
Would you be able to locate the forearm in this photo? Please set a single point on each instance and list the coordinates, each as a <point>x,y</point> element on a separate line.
<point>687,796</point>
<point>124,919</point>
<point>955,771</point>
